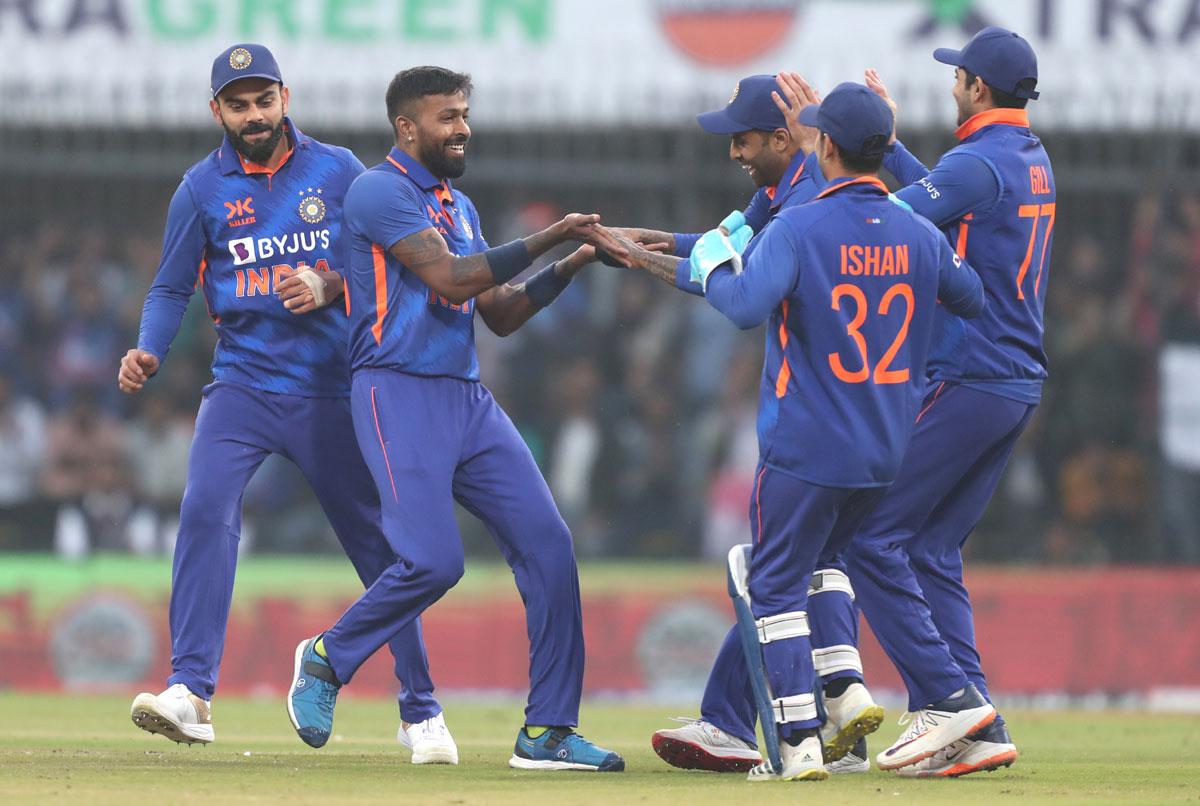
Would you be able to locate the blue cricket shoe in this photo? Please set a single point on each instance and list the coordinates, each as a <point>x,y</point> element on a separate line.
<point>562,749</point>
<point>313,695</point>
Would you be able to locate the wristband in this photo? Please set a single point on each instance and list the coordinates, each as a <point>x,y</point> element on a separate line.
<point>507,261</point>
<point>545,286</point>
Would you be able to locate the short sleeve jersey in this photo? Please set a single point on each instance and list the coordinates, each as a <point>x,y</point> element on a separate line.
<point>396,321</point>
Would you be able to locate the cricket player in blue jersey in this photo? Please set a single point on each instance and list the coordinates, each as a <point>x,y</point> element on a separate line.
<point>848,285</point>
<point>762,142</point>
<point>993,195</point>
<point>256,226</point>
<point>432,434</point>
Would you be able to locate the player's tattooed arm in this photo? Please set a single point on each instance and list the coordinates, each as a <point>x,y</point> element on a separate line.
<point>662,241</point>
<point>459,279</point>
<point>505,308</point>
<point>646,255</point>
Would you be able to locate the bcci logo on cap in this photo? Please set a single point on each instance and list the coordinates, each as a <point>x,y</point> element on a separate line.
<point>240,59</point>
<point>312,209</point>
<point>736,89</point>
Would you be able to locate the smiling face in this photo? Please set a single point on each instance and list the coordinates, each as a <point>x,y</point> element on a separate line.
<point>761,154</point>
<point>439,131</point>
<point>251,111</point>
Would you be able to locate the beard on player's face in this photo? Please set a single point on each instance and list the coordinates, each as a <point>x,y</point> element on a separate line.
<point>260,149</point>
<point>435,154</point>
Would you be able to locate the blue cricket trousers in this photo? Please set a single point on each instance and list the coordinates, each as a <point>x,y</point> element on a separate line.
<point>431,441</point>
<point>236,429</point>
<point>794,524</point>
<point>906,561</point>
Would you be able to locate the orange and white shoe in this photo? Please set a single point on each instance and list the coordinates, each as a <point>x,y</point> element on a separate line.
<point>988,750</point>
<point>936,726</point>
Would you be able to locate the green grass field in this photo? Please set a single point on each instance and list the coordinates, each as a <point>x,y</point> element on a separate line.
<point>85,750</point>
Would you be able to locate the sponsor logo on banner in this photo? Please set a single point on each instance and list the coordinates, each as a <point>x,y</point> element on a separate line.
<point>727,33</point>
<point>104,640</point>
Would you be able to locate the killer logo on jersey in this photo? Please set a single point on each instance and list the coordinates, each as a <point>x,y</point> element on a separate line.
<point>724,33</point>
<point>240,59</point>
<point>312,209</point>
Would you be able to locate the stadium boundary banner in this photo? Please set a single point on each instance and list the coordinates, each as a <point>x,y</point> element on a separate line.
<point>1104,64</point>
<point>1056,632</point>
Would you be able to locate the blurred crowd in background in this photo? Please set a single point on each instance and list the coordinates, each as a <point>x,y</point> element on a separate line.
<point>637,401</point>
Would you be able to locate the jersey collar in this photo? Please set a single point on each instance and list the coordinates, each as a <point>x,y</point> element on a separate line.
<point>414,170</point>
<point>993,117</point>
<point>796,169</point>
<point>231,161</point>
<point>872,183</point>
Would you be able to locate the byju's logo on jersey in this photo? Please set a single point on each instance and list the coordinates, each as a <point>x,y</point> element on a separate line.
<point>242,250</point>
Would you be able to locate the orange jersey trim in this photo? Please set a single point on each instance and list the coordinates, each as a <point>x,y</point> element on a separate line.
<point>399,167</point>
<point>960,247</point>
<point>785,371</point>
<point>862,180</point>
<point>255,168</point>
<point>993,117</point>
<point>380,291</point>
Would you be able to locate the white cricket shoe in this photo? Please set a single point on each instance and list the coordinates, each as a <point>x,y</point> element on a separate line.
<point>800,763</point>
<point>988,750</point>
<point>430,741</point>
<point>856,760</point>
<point>937,726</point>
<point>177,713</point>
<point>851,716</point>
<point>701,745</point>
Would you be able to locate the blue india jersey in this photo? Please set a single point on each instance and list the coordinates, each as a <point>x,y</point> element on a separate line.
<point>396,321</point>
<point>234,231</point>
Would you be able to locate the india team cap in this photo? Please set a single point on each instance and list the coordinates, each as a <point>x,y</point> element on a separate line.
<point>1000,57</point>
<point>855,118</point>
<point>245,60</point>
<point>750,108</point>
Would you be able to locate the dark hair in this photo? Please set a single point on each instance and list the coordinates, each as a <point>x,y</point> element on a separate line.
<point>1002,99</point>
<point>863,163</point>
<point>417,82</point>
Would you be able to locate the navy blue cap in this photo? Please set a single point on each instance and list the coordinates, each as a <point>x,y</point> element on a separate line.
<point>1000,57</point>
<point>852,115</point>
<point>751,108</point>
<point>245,60</point>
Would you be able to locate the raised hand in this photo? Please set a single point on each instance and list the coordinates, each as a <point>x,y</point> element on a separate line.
<point>797,94</point>
<point>136,368</point>
<point>875,83</point>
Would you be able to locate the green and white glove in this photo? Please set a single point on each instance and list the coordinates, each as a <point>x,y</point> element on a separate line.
<point>720,246</point>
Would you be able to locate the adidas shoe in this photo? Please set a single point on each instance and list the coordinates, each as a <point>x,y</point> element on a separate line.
<point>856,760</point>
<point>851,716</point>
<point>177,713</point>
<point>936,726</point>
<point>800,763</point>
<point>562,749</point>
<point>430,741</point>
<point>312,696</point>
<point>701,745</point>
<point>989,749</point>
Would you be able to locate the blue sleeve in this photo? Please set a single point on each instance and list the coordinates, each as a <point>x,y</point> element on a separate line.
<point>385,210</point>
<point>683,279</point>
<point>959,184</point>
<point>959,288</point>
<point>767,279</point>
<point>184,242</point>
<point>901,163</point>
<point>684,241</point>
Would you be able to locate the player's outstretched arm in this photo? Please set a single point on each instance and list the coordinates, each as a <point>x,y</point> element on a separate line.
<point>505,308</point>
<point>646,256</point>
<point>459,279</point>
<point>767,279</point>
